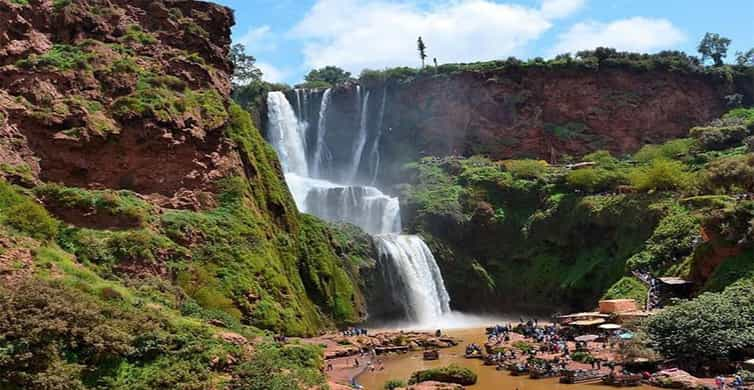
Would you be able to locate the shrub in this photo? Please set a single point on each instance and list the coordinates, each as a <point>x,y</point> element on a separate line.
<point>523,346</point>
<point>602,157</point>
<point>24,214</point>
<point>672,240</point>
<point>732,174</point>
<point>394,384</point>
<point>31,218</point>
<point>280,368</point>
<point>669,150</point>
<point>582,357</point>
<point>449,374</point>
<point>661,175</point>
<point>63,57</point>
<point>594,179</point>
<point>526,169</point>
<point>628,287</point>
<point>719,137</point>
<point>134,33</point>
<point>711,327</point>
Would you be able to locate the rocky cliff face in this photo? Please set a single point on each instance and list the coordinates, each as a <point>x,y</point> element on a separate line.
<point>529,112</point>
<point>116,115</point>
<point>117,94</point>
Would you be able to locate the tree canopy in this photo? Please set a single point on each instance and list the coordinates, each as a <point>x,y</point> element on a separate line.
<point>331,75</point>
<point>244,65</point>
<point>714,326</point>
<point>715,47</point>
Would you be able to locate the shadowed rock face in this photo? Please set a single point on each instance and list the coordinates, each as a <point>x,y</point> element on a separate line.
<point>68,74</point>
<point>534,113</point>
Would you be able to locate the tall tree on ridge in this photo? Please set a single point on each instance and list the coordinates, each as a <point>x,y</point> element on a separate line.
<point>715,47</point>
<point>422,49</point>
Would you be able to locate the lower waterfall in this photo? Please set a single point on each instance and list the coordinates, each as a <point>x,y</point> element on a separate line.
<point>408,268</point>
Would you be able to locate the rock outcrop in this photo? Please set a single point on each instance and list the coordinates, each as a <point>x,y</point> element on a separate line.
<point>117,94</point>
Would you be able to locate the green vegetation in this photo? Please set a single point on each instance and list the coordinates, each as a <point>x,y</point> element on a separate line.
<point>712,327</point>
<point>244,66</point>
<point>449,374</point>
<point>574,232</point>
<point>166,98</point>
<point>135,34</point>
<point>125,205</point>
<point>325,77</point>
<point>24,215</point>
<point>628,287</point>
<point>60,56</point>
<point>394,384</point>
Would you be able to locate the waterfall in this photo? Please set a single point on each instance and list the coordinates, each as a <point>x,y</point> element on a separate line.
<point>407,266</point>
<point>410,268</point>
<point>321,151</point>
<point>374,154</point>
<point>360,141</point>
<point>287,134</point>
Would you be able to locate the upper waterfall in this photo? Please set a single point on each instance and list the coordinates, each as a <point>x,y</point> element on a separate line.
<point>287,134</point>
<point>407,265</point>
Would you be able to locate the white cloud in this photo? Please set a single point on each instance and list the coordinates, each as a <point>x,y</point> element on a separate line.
<point>634,34</point>
<point>561,8</point>
<point>258,39</point>
<point>362,34</point>
<point>272,73</point>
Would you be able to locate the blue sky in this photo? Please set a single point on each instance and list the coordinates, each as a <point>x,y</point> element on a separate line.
<point>290,37</point>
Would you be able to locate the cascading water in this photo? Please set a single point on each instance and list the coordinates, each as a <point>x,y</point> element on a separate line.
<point>374,154</point>
<point>321,152</point>
<point>361,139</point>
<point>407,265</point>
<point>286,134</point>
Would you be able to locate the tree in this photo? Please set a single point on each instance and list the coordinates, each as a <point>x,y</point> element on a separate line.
<point>745,58</point>
<point>715,47</point>
<point>422,49</point>
<point>244,68</point>
<point>331,75</point>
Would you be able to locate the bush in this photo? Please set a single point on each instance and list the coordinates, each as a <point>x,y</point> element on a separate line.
<point>672,240</point>
<point>276,367</point>
<point>526,169</point>
<point>394,384</point>
<point>449,374</point>
<point>628,287</point>
<point>661,175</point>
<point>582,357</point>
<point>63,57</point>
<point>669,150</point>
<point>24,214</point>
<point>711,327</point>
<point>732,174</point>
<point>719,137</point>
<point>594,179</point>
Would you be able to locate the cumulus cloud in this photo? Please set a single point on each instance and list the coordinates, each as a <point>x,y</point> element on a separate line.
<point>258,39</point>
<point>634,34</point>
<point>272,73</point>
<point>560,8</point>
<point>358,34</point>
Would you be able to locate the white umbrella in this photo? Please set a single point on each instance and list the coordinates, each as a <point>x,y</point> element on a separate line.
<point>609,326</point>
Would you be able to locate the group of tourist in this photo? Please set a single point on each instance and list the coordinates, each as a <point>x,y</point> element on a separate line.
<point>354,332</point>
<point>737,383</point>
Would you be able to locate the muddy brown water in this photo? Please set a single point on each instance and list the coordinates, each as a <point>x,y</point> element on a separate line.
<point>401,367</point>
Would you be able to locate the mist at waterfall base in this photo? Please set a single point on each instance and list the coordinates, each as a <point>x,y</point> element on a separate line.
<point>414,294</point>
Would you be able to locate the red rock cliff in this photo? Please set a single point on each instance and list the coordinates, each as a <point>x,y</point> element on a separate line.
<point>117,93</point>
